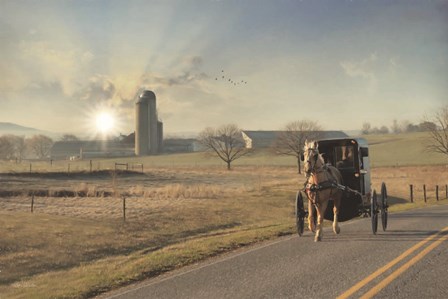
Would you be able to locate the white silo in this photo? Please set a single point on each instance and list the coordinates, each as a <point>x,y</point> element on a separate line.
<point>141,126</point>
<point>147,139</point>
<point>152,114</point>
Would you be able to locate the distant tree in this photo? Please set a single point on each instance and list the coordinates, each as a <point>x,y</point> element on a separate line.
<point>6,147</point>
<point>427,126</point>
<point>384,130</point>
<point>40,145</point>
<point>412,128</point>
<point>19,145</point>
<point>12,147</point>
<point>225,141</point>
<point>375,130</point>
<point>395,128</point>
<point>365,128</point>
<point>291,140</point>
<point>69,137</point>
<point>403,126</point>
<point>439,133</point>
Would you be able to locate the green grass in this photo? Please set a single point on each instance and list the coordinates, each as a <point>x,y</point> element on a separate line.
<point>406,149</point>
<point>93,278</point>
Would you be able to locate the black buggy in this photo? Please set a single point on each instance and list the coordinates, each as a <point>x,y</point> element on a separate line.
<point>351,157</point>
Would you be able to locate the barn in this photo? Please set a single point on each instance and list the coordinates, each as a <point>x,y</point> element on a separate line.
<point>265,139</point>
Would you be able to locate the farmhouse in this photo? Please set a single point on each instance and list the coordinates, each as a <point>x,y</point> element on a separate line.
<point>265,139</point>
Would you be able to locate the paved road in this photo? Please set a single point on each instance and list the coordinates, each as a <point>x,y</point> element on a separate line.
<point>413,250</point>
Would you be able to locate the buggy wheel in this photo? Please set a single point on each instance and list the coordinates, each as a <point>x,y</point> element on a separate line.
<point>374,212</point>
<point>300,213</point>
<point>384,206</point>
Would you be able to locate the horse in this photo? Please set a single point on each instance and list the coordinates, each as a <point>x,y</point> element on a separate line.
<point>320,187</point>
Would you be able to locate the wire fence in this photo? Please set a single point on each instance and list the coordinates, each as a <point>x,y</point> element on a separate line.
<point>425,193</point>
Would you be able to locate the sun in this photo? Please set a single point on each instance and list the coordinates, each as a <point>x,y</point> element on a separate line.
<point>105,122</point>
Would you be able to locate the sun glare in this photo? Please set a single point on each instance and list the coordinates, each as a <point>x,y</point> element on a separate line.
<point>105,122</point>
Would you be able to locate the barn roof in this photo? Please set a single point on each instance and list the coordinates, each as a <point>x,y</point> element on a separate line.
<point>263,139</point>
<point>273,134</point>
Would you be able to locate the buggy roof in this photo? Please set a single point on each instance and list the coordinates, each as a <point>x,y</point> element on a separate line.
<point>343,141</point>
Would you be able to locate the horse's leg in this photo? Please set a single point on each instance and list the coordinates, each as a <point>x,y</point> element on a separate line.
<point>320,219</point>
<point>337,204</point>
<point>311,225</point>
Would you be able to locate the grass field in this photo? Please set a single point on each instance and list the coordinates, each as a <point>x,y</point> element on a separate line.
<point>182,209</point>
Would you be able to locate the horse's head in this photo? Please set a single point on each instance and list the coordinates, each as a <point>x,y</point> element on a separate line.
<point>311,157</point>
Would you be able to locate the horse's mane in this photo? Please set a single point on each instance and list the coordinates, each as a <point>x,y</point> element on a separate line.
<point>314,146</point>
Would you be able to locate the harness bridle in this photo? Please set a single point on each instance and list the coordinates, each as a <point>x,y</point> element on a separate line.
<point>313,171</point>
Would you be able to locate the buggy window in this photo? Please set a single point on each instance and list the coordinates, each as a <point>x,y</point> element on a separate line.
<point>344,156</point>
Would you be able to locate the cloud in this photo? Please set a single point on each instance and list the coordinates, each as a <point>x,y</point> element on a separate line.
<point>38,62</point>
<point>100,88</point>
<point>181,79</point>
<point>189,72</point>
<point>363,69</point>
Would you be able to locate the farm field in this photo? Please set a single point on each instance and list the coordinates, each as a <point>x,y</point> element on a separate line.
<point>180,210</point>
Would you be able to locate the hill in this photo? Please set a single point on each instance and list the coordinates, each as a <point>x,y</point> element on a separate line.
<point>15,129</point>
<point>403,149</point>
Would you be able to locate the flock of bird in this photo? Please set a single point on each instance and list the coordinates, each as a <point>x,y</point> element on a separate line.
<point>223,77</point>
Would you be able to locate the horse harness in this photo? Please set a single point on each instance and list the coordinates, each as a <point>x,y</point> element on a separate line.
<point>329,183</point>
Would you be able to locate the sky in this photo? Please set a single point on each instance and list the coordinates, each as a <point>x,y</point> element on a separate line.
<point>338,62</point>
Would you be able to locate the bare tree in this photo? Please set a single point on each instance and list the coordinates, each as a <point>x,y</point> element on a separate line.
<point>291,140</point>
<point>19,145</point>
<point>395,128</point>
<point>12,147</point>
<point>40,145</point>
<point>226,141</point>
<point>439,133</point>
<point>6,147</point>
<point>366,127</point>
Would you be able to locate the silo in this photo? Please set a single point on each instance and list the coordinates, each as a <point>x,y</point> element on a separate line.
<point>142,124</point>
<point>160,136</point>
<point>152,115</point>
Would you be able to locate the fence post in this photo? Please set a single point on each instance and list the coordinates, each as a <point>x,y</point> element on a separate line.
<point>424,192</point>
<point>90,166</point>
<point>68,168</point>
<point>446,191</point>
<point>412,192</point>
<point>127,166</point>
<point>437,192</point>
<point>124,209</point>
<point>142,170</point>
<point>32,203</point>
<point>30,167</point>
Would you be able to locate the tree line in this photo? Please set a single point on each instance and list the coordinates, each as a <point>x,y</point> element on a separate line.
<point>17,148</point>
<point>396,128</point>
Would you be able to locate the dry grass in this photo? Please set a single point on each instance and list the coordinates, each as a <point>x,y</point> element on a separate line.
<point>173,217</point>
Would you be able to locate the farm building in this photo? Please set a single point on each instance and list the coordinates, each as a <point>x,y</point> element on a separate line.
<point>265,139</point>
<point>90,149</point>
<point>180,145</point>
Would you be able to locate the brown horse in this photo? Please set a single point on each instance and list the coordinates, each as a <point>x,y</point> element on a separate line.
<point>320,188</point>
